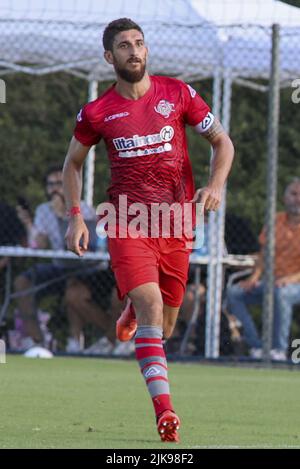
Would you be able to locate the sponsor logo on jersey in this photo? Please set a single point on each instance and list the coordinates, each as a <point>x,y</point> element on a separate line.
<point>192,91</point>
<point>152,371</point>
<point>165,135</point>
<point>164,108</point>
<point>116,116</point>
<point>79,116</point>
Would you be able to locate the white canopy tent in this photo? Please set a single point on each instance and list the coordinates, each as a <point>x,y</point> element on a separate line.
<point>244,28</point>
<point>66,35</point>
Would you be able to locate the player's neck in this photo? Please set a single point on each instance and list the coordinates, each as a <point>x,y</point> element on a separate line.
<point>133,90</point>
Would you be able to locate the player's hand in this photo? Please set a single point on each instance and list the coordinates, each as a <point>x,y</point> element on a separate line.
<point>286,280</point>
<point>210,197</point>
<point>249,284</point>
<point>76,231</point>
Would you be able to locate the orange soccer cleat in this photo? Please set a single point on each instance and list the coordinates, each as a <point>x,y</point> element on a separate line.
<point>126,324</point>
<point>167,426</point>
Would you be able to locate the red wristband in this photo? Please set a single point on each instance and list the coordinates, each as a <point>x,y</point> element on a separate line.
<point>74,211</point>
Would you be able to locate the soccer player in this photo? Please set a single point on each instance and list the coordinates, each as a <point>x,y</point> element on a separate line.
<point>142,120</point>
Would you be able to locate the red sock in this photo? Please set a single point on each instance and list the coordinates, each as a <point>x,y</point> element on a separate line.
<point>152,360</point>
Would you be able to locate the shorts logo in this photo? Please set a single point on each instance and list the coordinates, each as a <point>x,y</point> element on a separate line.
<point>79,116</point>
<point>152,371</point>
<point>116,116</point>
<point>192,91</point>
<point>164,108</point>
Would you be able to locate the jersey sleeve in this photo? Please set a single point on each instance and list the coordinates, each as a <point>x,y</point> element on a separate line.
<point>196,112</point>
<point>84,131</point>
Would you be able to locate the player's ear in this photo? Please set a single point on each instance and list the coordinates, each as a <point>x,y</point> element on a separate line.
<point>108,57</point>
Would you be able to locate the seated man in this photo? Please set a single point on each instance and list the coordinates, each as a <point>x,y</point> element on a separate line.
<point>48,230</point>
<point>287,280</point>
<point>12,233</point>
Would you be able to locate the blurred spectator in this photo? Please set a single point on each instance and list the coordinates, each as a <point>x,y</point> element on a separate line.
<point>12,231</point>
<point>68,277</point>
<point>287,280</point>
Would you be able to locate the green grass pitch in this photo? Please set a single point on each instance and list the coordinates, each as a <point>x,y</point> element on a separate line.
<point>94,403</point>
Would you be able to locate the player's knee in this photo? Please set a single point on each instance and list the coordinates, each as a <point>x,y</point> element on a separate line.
<point>155,311</point>
<point>150,312</point>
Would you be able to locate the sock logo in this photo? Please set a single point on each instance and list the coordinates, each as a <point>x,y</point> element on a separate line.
<point>152,371</point>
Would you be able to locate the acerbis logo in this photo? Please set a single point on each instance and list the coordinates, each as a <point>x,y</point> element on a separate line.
<point>116,116</point>
<point>152,371</point>
<point>164,108</point>
<point>192,91</point>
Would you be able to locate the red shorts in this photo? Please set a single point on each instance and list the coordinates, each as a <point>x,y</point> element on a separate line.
<point>161,260</point>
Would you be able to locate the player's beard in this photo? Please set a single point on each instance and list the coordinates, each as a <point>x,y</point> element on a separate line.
<point>129,75</point>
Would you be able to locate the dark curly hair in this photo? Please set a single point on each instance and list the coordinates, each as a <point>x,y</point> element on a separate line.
<point>115,27</point>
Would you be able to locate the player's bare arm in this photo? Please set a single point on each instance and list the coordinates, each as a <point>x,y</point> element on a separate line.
<point>72,183</point>
<point>223,153</point>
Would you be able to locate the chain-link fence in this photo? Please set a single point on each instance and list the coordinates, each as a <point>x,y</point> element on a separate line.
<point>47,57</point>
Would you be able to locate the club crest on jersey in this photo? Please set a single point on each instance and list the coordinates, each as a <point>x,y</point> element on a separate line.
<point>164,108</point>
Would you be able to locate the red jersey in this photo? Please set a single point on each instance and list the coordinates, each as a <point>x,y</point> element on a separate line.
<point>146,140</point>
<point>147,146</point>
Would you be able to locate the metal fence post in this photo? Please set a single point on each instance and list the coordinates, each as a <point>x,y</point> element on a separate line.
<point>212,242</point>
<point>272,168</point>
<point>89,168</point>
<point>220,224</point>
